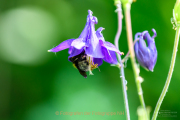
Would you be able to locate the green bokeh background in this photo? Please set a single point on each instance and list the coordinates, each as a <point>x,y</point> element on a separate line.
<point>34,84</point>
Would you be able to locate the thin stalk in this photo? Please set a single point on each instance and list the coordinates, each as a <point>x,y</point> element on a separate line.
<point>127,55</point>
<point>132,55</point>
<point>169,74</point>
<point>119,14</point>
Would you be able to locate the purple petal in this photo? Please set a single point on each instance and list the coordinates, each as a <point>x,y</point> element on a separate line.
<point>85,31</point>
<point>136,47</point>
<point>142,45</point>
<point>64,45</point>
<point>75,52</point>
<point>150,41</point>
<point>91,18</point>
<point>113,56</point>
<point>144,32</point>
<point>142,58</point>
<point>155,34</point>
<point>151,65</point>
<point>95,19</point>
<point>109,56</point>
<point>94,51</point>
<point>90,13</point>
<point>78,43</point>
<point>111,47</point>
<point>153,59</point>
<point>94,47</point>
<point>84,34</point>
<point>98,61</point>
<point>106,53</point>
<point>70,49</point>
<point>137,35</point>
<point>99,34</point>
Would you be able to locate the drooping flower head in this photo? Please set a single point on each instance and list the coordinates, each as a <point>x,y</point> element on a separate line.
<point>146,54</point>
<point>88,51</point>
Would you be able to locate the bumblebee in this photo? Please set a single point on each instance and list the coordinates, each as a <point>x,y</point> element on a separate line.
<point>83,63</point>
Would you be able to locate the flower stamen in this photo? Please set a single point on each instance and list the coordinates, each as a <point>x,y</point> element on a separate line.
<point>94,66</point>
<point>91,65</point>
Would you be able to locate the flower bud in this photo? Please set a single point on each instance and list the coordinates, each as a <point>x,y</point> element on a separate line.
<point>176,12</point>
<point>146,54</point>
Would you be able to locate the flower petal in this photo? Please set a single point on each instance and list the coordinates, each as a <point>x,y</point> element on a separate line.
<point>150,41</point>
<point>78,43</point>
<point>155,34</point>
<point>111,47</point>
<point>137,35</point>
<point>98,61</point>
<point>64,45</point>
<point>142,45</point>
<point>113,56</point>
<point>85,31</point>
<point>136,47</point>
<point>91,18</point>
<point>70,49</point>
<point>75,52</point>
<point>99,34</point>
<point>94,47</point>
<point>94,51</point>
<point>84,34</point>
<point>143,59</point>
<point>109,56</point>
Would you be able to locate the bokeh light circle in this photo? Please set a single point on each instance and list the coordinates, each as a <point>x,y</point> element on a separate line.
<point>26,34</point>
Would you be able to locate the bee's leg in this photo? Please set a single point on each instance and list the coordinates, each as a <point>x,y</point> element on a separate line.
<point>76,59</point>
<point>99,69</point>
<point>74,66</point>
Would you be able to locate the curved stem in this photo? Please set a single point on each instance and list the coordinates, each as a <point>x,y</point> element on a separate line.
<point>119,13</point>
<point>169,74</point>
<point>127,55</point>
<point>132,55</point>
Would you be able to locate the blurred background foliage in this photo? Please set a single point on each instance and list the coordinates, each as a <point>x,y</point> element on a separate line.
<point>34,84</point>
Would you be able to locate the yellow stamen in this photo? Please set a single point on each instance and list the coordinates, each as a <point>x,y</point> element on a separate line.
<point>94,66</point>
<point>91,65</point>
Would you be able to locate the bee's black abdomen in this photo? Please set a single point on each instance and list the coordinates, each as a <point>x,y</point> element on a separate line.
<point>81,63</point>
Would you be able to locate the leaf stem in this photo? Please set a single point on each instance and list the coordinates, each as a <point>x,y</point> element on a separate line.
<point>127,55</point>
<point>169,74</point>
<point>136,70</point>
<point>119,13</point>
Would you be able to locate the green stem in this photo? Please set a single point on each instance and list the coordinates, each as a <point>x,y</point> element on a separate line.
<point>132,56</point>
<point>123,80</point>
<point>169,74</point>
<point>127,55</point>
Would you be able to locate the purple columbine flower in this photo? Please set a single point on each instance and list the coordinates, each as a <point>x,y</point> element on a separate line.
<point>146,55</point>
<point>88,51</point>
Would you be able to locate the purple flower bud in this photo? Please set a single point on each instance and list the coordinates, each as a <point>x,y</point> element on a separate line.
<point>146,54</point>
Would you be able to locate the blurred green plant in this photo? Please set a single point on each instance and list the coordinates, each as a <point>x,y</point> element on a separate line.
<point>31,89</point>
